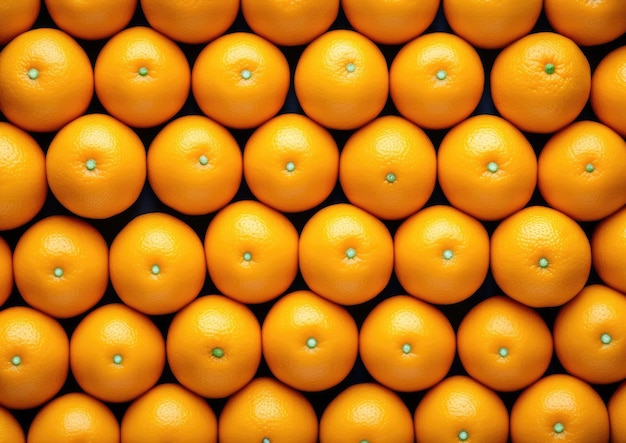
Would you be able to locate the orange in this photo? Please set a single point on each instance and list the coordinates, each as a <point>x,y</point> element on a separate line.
<point>617,412</point>
<point>589,337</point>
<point>157,263</point>
<point>540,82</point>
<point>556,408</point>
<point>6,271</point>
<point>92,20</point>
<point>191,22</point>
<point>74,417</point>
<point>441,255</point>
<point>366,412</point>
<point>289,23</point>
<point>406,344</point>
<point>214,346</point>
<point>341,80</point>
<point>194,165</point>
<point>540,257</point>
<point>346,254</point>
<point>461,409</point>
<point>436,80</point>
<point>116,353</point>
<point>46,80</point>
<point>24,187</point>
<point>266,410</point>
<point>587,23</point>
<point>388,167</point>
<point>486,167</point>
<point>240,80</point>
<point>34,352</point>
<point>390,23</point>
<point>309,343</point>
<point>12,431</point>
<point>291,163</point>
<point>17,17</point>
<point>492,24</point>
<point>503,344</point>
<point>61,266</point>
<point>608,250</point>
<point>169,412</point>
<point>96,166</point>
<point>142,78</point>
<point>582,171</point>
<point>251,252</point>
<point>608,90</point>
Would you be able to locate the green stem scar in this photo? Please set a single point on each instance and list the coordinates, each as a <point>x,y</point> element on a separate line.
<point>558,427</point>
<point>543,262</point>
<point>33,73</point>
<point>492,167</point>
<point>290,166</point>
<point>391,177</point>
<point>265,440</point>
<point>247,256</point>
<point>448,254</point>
<point>143,71</point>
<point>58,272</point>
<point>117,359</point>
<point>463,435</point>
<point>441,74</point>
<point>406,348</point>
<point>350,253</point>
<point>246,74</point>
<point>217,352</point>
<point>155,269</point>
<point>311,343</point>
<point>350,67</point>
<point>606,338</point>
<point>203,160</point>
<point>90,164</point>
<point>16,360</point>
<point>549,68</point>
<point>589,167</point>
<point>503,352</point>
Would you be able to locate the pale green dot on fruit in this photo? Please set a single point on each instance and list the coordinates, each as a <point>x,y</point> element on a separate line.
<point>448,254</point>
<point>350,253</point>
<point>16,360</point>
<point>266,440</point>
<point>441,74</point>
<point>58,272</point>
<point>155,269</point>
<point>117,359</point>
<point>503,352</point>
<point>90,164</point>
<point>203,160</point>
<point>311,342</point>
<point>406,348</point>
<point>364,441</point>
<point>589,167</point>
<point>247,256</point>
<point>290,166</point>
<point>246,74</point>
<point>217,352</point>
<point>33,73</point>
<point>606,338</point>
<point>492,167</point>
<point>543,262</point>
<point>463,435</point>
<point>558,427</point>
<point>391,177</point>
<point>143,71</point>
<point>549,68</point>
<point>350,67</point>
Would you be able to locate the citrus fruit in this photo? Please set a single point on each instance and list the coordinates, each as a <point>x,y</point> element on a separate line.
<point>436,80</point>
<point>608,250</point>
<point>366,412</point>
<point>461,409</point>
<point>589,335</point>
<point>309,343</point>
<point>169,412</point>
<point>346,254</point>
<point>34,350</point>
<point>341,80</point>
<point>92,20</point>
<point>240,80</point>
<point>486,167</point>
<point>157,263</point>
<point>492,25</point>
<point>540,257</point>
<point>540,82</point>
<point>266,410</point>
<point>194,165</point>
<point>441,255</point>
<point>406,344</point>
<point>289,23</point>
<point>96,166</point>
<point>61,266</point>
<point>191,22</point>
<point>6,271</point>
<point>559,407</point>
<point>116,353</point>
<point>46,80</point>
<point>608,90</point>
<point>24,187</point>
<point>388,167</point>
<point>12,431</point>
<point>390,23</point>
<point>17,17</point>
<point>74,417</point>
<point>582,171</point>
<point>503,344</point>
<point>251,252</point>
<point>291,163</point>
<point>214,346</point>
<point>142,77</point>
<point>617,411</point>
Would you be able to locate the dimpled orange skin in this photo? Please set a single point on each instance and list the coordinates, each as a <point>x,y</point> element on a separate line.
<point>486,167</point>
<point>461,409</point>
<point>61,266</point>
<point>540,257</point>
<point>61,89</point>
<point>6,271</point>
<point>504,344</point>
<point>589,336</point>
<point>556,408</point>
<point>11,429</point>
<point>608,250</point>
<point>240,80</point>
<point>34,351</point>
<point>406,344</point>
<point>436,80</point>
<point>345,254</point>
<point>608,90</point>
<point>342,80</point>
<point>528,95</point>
<point>309,343</point>
<point>582,171</point>
<point>617,412</point>
<point>17,17</point>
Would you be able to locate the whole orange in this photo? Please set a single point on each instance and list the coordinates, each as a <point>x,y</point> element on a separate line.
<point>608,250</point>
